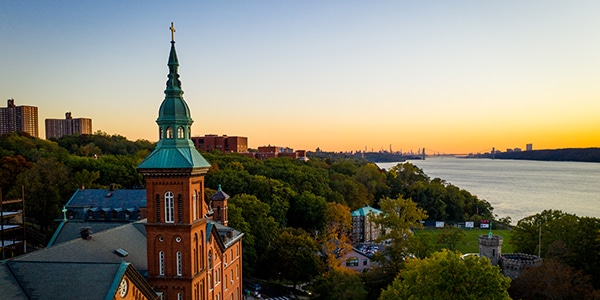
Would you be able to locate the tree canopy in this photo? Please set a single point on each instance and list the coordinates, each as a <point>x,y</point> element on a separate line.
<point>571,239</point>
<point>446,275</point>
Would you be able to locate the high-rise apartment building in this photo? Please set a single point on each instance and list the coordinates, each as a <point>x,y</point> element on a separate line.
<point>55,128</point>
<point>19,118</point>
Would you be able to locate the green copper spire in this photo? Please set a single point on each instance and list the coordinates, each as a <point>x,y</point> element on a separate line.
<point>175,149</point>
<point>490,234</point>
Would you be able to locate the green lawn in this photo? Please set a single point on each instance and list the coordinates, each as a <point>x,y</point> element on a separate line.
<point>470,242</point>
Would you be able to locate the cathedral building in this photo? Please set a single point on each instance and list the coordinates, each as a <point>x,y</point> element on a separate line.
<point>167,243</point>
<point>187,256</point>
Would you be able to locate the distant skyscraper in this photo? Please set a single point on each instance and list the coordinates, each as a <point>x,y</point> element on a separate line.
<point>55,128</point>
<point>528,147</point>
<point>19,118</point>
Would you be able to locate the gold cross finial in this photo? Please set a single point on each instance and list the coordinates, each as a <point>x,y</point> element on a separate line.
<point>172,28</point>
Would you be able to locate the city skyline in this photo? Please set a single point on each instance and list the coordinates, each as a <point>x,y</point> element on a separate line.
<point>454,77</point>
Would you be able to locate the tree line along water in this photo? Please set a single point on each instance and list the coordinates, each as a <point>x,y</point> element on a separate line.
<point>520,188</point>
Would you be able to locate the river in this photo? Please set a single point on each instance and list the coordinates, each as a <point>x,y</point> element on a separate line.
<point>520,188</point>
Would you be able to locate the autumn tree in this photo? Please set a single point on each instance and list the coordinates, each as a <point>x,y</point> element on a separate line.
<point>396,219</point>
<point>445,275</point>
<point>334,239</point>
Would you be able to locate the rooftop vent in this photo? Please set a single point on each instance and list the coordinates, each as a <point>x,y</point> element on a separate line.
<point>121,252</point>
<point>86,233</point>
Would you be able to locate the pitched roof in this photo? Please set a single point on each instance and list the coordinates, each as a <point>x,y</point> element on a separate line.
<point>68,280</point>
<point>126,198</point>
<point>365,211</point>
<point>71,230</point>
<point>174,158</point>
<point>130,237</point>
<point>219,195</point>
<point>10,285</point>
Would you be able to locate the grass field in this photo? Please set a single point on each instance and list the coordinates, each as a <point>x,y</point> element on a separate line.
<point>470,242</point>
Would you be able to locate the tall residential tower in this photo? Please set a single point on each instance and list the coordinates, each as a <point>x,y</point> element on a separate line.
<point>55,128</point>
<point>19,118</point>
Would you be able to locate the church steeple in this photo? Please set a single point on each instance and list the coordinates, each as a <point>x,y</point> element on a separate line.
<point>173,84</point>
<point>175,148</point>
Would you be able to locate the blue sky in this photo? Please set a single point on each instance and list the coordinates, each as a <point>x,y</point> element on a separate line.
<point>450,76</point>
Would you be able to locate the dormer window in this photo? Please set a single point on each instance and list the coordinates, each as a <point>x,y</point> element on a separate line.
<point>180,133</point>
<point>169,132</point>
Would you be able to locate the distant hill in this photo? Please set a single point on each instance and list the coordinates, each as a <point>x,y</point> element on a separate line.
<point>569,154</point>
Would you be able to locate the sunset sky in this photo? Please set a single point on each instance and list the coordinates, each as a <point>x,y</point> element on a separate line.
<point>448,76</point>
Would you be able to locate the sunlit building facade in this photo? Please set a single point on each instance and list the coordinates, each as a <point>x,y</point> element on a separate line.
<point>22,118</point>
<point>55,128</point>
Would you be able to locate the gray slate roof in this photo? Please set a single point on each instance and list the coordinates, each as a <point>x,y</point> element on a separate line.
<point>130,237</point>
<point>126,198</point>
<point>70,230</point>
<point>68,280</point>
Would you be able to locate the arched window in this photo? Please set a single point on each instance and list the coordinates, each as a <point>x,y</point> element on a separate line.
<point>161,263</point>
<point>195,205</point>
<point>179,264</point>
<point>169,207</point>
<point>196,257</point>
<point>201,251</point>
<point>179,296</point>
<point>180,133</point>
<point>169,132</point>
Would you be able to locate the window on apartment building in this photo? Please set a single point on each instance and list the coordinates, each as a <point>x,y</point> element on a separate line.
<point>169,207</point>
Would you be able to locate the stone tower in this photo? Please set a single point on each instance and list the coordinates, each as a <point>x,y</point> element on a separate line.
<point>490,246</point>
